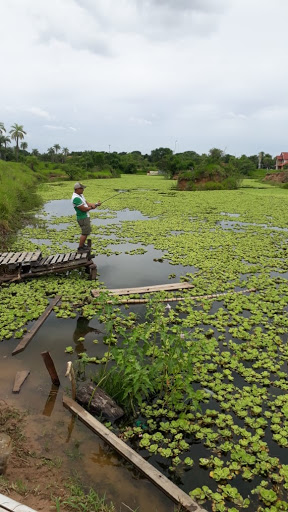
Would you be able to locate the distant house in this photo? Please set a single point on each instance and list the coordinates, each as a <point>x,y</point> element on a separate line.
<point>281,160</point>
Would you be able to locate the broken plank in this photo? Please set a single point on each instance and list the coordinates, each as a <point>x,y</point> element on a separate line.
<point>146,289</point>
<point>20,377</point>
<point>28,337</point>
<point>155,476</point>
<point>51,368</point>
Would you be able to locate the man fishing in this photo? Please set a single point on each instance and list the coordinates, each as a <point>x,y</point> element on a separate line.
<point>82,208</point>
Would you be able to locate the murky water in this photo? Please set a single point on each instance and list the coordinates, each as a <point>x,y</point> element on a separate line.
<point>53,426</point>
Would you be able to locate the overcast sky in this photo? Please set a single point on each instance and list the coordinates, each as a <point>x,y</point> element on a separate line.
<point>132,75</point>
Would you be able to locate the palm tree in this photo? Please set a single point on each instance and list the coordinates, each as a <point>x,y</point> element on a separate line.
<point>35,152</point>
<point>65,153</point>
<point>17,132</point>
<point>2,128</point>
<point>57,148</point>
<point>24,146</point>
<point>4,140</point>
<point>51,152</point>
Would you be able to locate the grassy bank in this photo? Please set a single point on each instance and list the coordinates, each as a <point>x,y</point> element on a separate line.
<point>18,197</point>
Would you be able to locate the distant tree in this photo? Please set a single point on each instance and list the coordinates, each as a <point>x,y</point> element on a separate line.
<point>268,162</point>
<point>57,148</point>
<point>65,153</point>
<point>35,152</point>
<point>245,165</point>
<point>32,162</point>
<point>2,128</point>
<point>17,133</point>
<point>51,153</point>
<point>4,140</point>
<point>216,155</point>
<point>24,146</point>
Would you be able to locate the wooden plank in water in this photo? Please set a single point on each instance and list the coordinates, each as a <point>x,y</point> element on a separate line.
<point>72,256</point>
<point>66,257</point>
<point>28,337</point>
<point>146,289</point>
<point>168,487</point>
<point>51,368</point>
<point>20,377</point>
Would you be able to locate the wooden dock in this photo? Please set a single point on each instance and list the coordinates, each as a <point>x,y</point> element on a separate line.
<point>15,266</point>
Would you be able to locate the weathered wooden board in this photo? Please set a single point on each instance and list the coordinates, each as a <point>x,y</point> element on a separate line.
<point>9,505</point>
<point>24,342</point>
<point>146,289</point>
<point>168,487</point>
<point>20,377</point>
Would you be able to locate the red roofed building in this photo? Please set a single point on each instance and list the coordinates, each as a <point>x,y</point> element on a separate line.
<point>281,160</point>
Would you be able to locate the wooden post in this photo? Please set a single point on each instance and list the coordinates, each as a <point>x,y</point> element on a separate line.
<point>51,368</point>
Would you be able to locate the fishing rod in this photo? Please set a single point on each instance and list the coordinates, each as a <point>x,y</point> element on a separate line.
<point>113,196</point>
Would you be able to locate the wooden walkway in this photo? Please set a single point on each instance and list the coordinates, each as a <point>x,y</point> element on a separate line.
<point>15,266</point>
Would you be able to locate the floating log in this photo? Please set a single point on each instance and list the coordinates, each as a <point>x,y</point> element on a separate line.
<point>145,289</point>
<point>176,494</point>
<point>51,368</point>
<point>20,377</point>
<point>28,337</point>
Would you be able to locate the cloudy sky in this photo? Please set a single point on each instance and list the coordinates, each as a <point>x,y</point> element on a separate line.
<point>132,75</point>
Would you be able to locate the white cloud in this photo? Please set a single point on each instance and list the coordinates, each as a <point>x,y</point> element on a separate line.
<point>204,72</point>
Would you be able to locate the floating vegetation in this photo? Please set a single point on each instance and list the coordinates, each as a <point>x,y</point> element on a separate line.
<point>206,378</point>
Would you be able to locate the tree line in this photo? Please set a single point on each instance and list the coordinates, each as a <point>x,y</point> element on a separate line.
<point>162,159</point>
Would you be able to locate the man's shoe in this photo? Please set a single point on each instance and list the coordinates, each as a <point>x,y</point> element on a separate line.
<point>83,248</point>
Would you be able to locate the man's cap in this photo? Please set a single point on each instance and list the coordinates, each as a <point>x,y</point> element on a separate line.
<point>78,185</point>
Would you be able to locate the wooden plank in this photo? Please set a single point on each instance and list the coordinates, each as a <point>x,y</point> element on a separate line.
<point>27,258</point>
<point>9,505</point>
<point>19,380</point>
<point>51,368</point>
<point>22,257</point>
<point>61,258</point>
<point>7,258</point>
<point>48,260</point>
<point>3,256</point>
<point>146,289</point>
<point>54,259</point>
<point>176,494</point>
<point>66,257</point>
<point>72,256</point>
<point>15,257</point>
<point>28,337</point>
<point>36,256</point>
